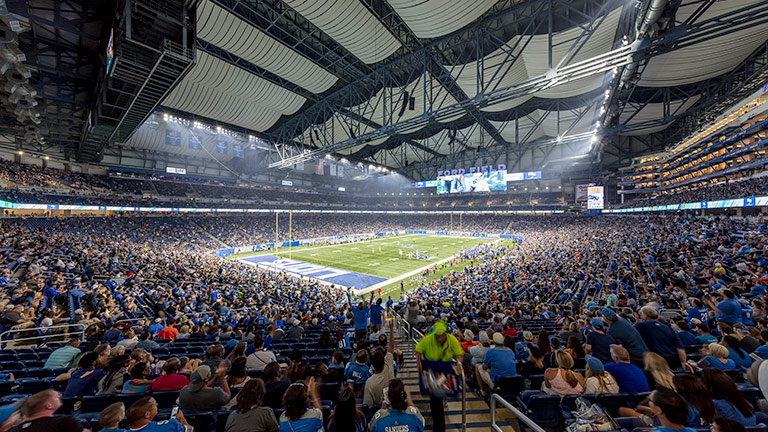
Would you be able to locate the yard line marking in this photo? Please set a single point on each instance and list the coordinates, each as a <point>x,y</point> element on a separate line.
<point>394,259</point>
<point>337,251</point>
<point>312,254</point>
<point>355,248</point>
<point>373,264</point>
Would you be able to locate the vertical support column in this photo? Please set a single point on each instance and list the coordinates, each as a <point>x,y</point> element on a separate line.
<point>739,212</point>
<point>451,222</point>
<point>290,233</point>
<point>461,223</point>
<point>277,226</point>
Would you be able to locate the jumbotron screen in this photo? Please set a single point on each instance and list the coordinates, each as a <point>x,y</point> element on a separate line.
<point>487,181</point>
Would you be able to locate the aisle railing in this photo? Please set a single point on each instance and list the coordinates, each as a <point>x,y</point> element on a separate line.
<point>519,414</point>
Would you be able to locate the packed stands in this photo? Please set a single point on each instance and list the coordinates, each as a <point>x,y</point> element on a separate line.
<point>574,286</point>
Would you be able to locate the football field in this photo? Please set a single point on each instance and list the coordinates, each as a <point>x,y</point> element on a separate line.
<point>365,265</point>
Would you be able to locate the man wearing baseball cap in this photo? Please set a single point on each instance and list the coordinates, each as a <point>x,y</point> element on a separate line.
<point>625,334</point>
<point>599,342</point>
<point>200,395</point>
<point>499,362</point>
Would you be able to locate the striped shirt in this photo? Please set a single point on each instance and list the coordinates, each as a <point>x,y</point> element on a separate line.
<point>63,357</point>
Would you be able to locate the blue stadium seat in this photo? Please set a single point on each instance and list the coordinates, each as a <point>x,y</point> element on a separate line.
<point>509,387</point>
<point>542,409</point>
<point>202,421</point>
<point>34,385</point>
<point>96,403</point>
<point>612,402</point>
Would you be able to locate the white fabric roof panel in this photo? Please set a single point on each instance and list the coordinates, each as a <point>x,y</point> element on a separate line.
<point>231,80</point>
<point>433,18</point>
<point>706,59</point>
<point>534,62</point>
<point>599,42</point>
<point>350,24</point>
<point>553,123</point>
<point>209,102</point>
<point>227,31</point>
<point>654,111</point>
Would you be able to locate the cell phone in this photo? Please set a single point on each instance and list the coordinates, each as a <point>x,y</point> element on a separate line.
<point>174,410</point>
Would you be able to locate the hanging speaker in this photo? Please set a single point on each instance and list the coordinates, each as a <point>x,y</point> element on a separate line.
<point>412,103</point>
<point>405,104</point>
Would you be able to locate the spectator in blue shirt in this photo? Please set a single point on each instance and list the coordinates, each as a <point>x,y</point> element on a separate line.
<point>670,409</point>
<point>141,417</point>
<point>717,357</point>
<point>736,352</point>
<point>630,378</point>
<point>686,337</point>
<point>661,339</point>
<point>625,334</point>
<point>156,327</point>
<point>298,415</point>
<point>499,361</point>
<point>598,342</point>
<point>376,312</point>
<point>696,310</point>
<point>400,414</point>
<point>727,310</point>
<point>729,401</point>
<point>361,314</point>
<point>358,370</point>
<point>83,381</point>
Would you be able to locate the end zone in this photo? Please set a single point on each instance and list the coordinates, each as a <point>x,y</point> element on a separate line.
<point>324,274</point>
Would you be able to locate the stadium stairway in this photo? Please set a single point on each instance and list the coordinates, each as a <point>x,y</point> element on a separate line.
<point>478,412</point>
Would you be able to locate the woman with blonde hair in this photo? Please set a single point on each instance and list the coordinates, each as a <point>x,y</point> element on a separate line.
<point>117,350</point>
<point>657,372</point>
<point>716,356</point>
<point>598,380</point>
<point>563,380</point>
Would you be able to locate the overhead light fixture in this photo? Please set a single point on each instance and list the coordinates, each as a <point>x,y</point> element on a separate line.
<point>21,152</point>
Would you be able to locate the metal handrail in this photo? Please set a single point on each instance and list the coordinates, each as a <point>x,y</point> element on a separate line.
<point>65,335</point>
<point>46,329</point>
<point>519,414</point>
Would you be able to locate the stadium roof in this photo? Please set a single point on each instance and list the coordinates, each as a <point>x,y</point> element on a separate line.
<point>483,77</point>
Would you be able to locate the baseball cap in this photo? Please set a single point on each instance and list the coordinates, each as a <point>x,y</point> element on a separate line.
<point>498,338</point>
<point>198,377</point>
<point>594,364</point>
<point>608,313</point>
<point>597,322</point>
<point>527,336</point>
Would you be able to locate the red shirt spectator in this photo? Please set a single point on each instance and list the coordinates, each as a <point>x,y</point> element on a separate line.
<point>168,333</point>
<point>171,380</point>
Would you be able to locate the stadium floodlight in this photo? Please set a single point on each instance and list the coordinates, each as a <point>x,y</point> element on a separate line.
<point>343,160</point>
<point>46,157</point>
<point>21,153</point>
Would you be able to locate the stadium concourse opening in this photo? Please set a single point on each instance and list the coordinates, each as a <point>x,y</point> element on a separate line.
<point>383,216</point>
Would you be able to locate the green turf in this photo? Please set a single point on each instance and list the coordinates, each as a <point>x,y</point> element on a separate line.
<point>379,257</point>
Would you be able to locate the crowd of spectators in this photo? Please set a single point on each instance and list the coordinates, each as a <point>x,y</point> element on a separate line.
<point>739,188</point>
<point>670,305</point>
<point>32,184</point>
